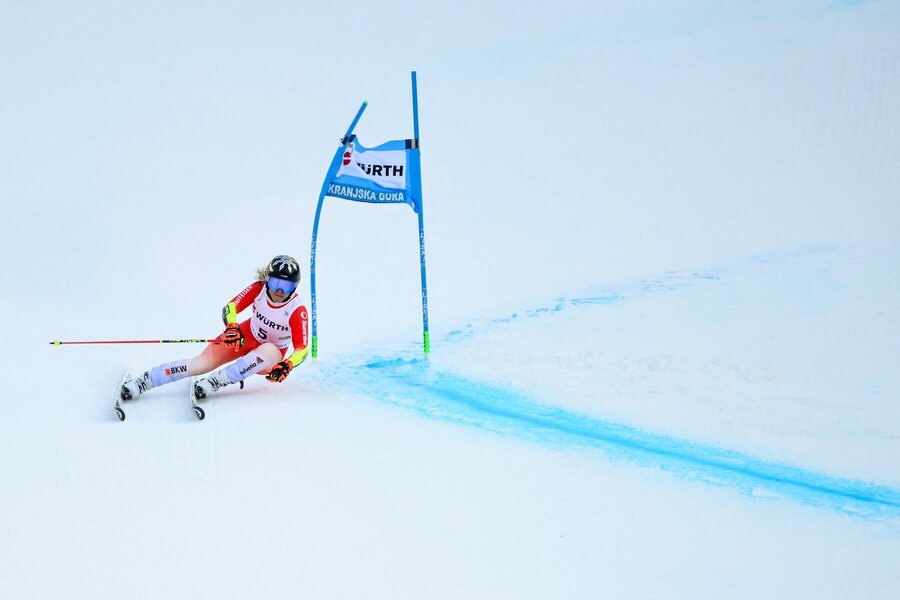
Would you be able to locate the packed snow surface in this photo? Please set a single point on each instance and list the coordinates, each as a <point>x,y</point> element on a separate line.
<point>663,283</point>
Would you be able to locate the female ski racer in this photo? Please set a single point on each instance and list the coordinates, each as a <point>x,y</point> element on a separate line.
<point>259,343</point>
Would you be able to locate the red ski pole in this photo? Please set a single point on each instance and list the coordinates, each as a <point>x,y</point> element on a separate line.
<point>59,343</point>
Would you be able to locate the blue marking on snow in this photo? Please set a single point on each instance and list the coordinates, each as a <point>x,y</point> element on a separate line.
<point>667,282</point>
<point>415,385</point>
<point>597,300</point>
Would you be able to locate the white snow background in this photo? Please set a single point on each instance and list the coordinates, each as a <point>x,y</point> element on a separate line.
<point>662,245</point>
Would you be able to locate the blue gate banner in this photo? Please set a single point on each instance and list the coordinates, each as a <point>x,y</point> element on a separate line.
<point>386,174</point>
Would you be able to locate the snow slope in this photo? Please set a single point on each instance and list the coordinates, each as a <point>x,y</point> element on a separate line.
<point>797,376</point>
<point>688,464</point>
<point>665,322</point>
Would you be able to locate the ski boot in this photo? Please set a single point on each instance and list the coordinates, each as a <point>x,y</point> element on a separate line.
<point>133,388</point>
<point>210,384</point>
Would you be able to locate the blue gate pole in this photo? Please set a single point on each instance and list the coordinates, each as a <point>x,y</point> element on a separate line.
<point>425,334</point>
<point>312,277</point>
<point>332,170</point>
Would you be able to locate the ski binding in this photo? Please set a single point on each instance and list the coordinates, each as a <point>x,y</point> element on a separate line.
<point>120,412</point>
<point>198,410</point>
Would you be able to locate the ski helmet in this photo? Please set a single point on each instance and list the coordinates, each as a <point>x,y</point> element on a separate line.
<point>284,267</point>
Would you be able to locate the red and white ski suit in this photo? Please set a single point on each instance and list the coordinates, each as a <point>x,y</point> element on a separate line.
<point>284,325</point>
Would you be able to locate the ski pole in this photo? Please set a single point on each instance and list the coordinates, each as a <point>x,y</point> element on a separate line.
<point>60,343</point>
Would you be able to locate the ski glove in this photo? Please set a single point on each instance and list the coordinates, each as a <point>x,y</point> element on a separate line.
<point>279,372</point>
<point>233,337</point>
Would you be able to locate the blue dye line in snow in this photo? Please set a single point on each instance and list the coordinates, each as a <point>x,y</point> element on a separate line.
<point>415,385</point>
<point>596,300</point>
<point>668,282</point>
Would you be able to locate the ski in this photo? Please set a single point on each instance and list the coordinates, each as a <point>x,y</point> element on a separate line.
<point>120,412</point>
<point>198,410</point>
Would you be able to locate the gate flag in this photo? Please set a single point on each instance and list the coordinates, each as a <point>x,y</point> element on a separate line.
<point>389,173</point>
